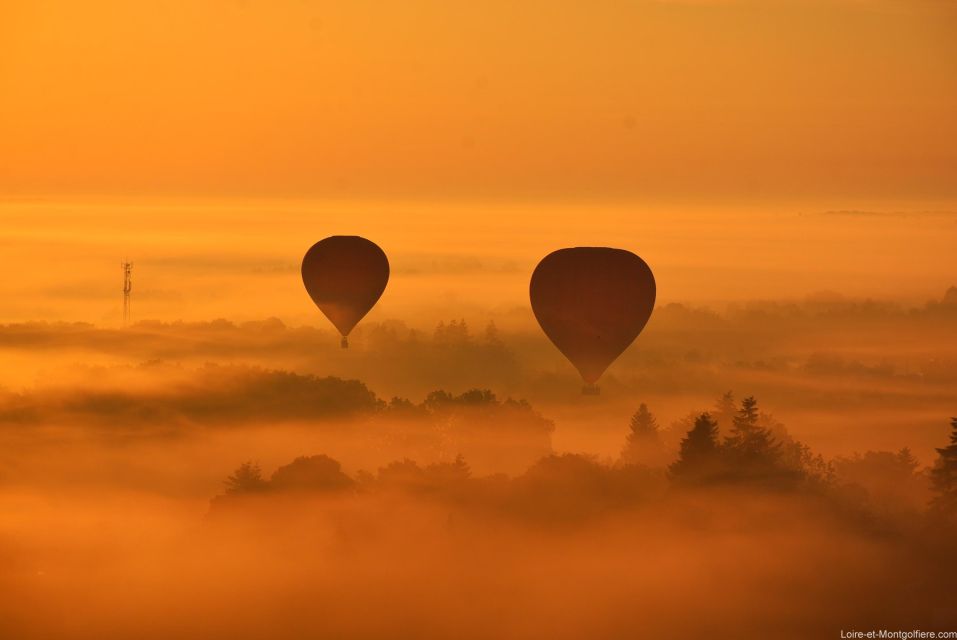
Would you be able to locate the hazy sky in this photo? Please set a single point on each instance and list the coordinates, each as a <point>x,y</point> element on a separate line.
<point>213,142</point>
<point>697,99</point>
<point>745,149</point>
<point>240,259</point>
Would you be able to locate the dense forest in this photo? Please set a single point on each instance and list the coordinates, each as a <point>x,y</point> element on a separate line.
<point>736,447</point>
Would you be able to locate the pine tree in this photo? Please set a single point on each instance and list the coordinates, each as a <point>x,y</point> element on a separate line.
<point>643,445</point>
<point>943,477</point>
<point>699,458</point>
<point>747,435</point>
<point>751,450</point>
<point>908,463</point>
<point>491,333</point>
<point>453,333</point>
<point>746,419</point>
<point>643,424</point>
<point>724,409</point>
<point>246,479</point>
<point>458,331</point>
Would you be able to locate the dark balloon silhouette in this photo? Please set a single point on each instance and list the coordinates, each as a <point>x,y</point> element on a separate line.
<point>592,302</point>
<point>345,276</point>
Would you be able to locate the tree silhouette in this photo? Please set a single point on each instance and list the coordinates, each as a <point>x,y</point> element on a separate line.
<point>643,424</point>
<point>643,444</point>
<point>438,478</point>
<point>887,482</point>
<point>312,473</point>
<point>803,463</point>
<point>749,443</point>
<point>943,478</point>
<point>950,297</point>
<point>699,458</point>
<point>906,459</point>
<point>450,472</point>
<point>492,335</point>
<point>456,332</point>
<point>745,420</point>
<point>247,478</point>
<point>754,456</point>
<point>724,409</point>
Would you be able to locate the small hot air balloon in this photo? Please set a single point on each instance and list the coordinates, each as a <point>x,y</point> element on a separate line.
<point>592,302</point>
<point>345,276</point>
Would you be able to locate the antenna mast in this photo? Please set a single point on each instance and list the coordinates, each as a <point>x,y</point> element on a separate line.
<point>127,291</point>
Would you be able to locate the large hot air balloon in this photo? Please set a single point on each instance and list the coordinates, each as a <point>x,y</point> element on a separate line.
<point>592,302</point>
<point>345,275</point>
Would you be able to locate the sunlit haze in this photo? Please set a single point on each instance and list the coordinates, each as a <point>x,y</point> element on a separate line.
<point>223,415</point>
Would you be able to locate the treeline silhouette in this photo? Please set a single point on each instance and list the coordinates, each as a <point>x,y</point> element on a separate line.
<point>214,395</point>
<point>751,454</point>
<point>231,394</point>
<point>795,337</point>
<point>152,338</point>
<point>503,434</point>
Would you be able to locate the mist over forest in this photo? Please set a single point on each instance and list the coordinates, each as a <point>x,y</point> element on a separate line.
<point>649,307</point>
<point>760,462</point>
<point>764,459</point>
<point>847,374</point>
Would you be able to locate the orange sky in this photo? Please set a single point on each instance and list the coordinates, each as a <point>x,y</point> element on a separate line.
<point>694,100</point>
<point>202,259</point>
<point>213,142</point>
<point>747,150</point>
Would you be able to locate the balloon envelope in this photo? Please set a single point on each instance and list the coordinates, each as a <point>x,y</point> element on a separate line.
<point>345,276</point>
<point>592,302</point>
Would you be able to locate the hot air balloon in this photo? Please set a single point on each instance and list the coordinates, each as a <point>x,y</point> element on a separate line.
<point>592,302</point>
<point>345,276</point>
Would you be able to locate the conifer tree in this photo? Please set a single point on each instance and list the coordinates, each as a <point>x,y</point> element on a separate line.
<point>724,409</point>
<point>750,449</point>
<point>748,437</point>
<point>248,477</point>
<point>643,444</point>
<point>644,425</point>
<point>943,477</point>
<point>907,461</point>
<point>492,334</point>
<point>699,458</point>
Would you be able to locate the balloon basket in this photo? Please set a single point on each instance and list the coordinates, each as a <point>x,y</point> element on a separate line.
<point>591,390</point>
<point>344,343</point>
